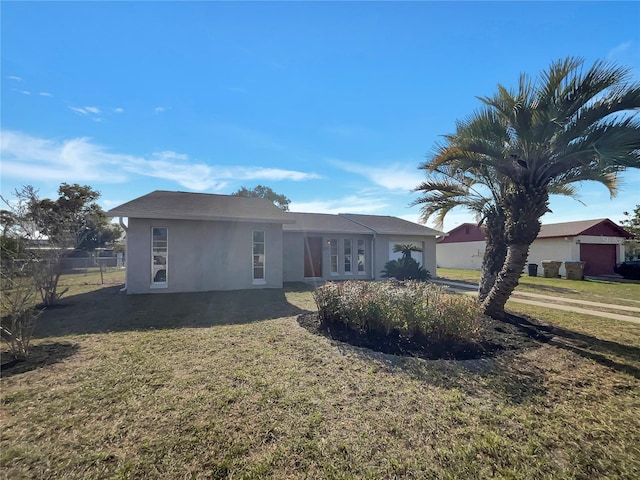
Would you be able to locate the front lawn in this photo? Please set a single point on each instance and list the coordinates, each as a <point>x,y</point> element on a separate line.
<point>229,385</point>
<point>594,290</point>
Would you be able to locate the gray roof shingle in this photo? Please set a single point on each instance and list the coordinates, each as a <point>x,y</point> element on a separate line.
<point>323,222</point>
<point>384,224</point>
<point>200,206</point>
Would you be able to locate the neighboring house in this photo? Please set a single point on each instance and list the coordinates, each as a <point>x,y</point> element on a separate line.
<point>599,243</point>
<point>184,242</point>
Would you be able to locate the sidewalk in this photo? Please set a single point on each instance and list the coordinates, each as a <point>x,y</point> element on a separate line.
<point>549,301</point>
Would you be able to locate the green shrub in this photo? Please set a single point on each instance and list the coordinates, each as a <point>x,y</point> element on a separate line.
<point>405,268</point>
<point>409,309</point>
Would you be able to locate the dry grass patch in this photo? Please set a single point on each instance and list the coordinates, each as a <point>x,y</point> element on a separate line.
<point>237,393</point>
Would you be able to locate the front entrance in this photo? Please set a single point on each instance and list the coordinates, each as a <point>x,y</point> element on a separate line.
<point>313,257</point>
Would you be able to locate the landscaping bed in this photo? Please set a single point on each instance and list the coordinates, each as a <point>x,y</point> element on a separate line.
<point>495,336</point>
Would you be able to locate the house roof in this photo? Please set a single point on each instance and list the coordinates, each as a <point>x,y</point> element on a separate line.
<point>323,222</point>
<point>596,227</point>
<point>583,227</point>
<point>466,232</point>
<point>384,224</point>
<point>162,204</point>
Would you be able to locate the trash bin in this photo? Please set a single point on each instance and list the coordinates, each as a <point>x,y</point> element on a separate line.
<point>551,268</point>
<point>575,270</point>
<point>533,269</point>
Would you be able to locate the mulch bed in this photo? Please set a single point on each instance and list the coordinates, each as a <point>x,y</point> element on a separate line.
<point>495,336</point>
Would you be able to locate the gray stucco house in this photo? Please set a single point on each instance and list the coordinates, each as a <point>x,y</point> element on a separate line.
<point>187,242</point>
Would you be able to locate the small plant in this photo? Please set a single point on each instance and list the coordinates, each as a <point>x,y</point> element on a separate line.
<point>410,309</point>
<point>19,314</point>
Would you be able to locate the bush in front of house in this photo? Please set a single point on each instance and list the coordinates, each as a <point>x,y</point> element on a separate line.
<point>405,268</point>
<point>412,310</point>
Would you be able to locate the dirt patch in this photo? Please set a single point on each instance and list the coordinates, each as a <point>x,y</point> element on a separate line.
<point>495,336</point>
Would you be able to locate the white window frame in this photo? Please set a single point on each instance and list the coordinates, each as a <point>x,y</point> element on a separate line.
<point>333,257</point>
<point>361,256</point>
<point>156,251</point>
<point>347,257</point>
<point>254,280</point>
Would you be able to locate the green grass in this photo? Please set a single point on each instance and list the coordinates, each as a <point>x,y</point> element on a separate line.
<point>228,385</point>
<point>627,293</point>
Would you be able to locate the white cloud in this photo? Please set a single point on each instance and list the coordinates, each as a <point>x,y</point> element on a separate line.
<point>31,158</point>
<point>14,77</point>
<point>118,110</point>
<point>618,49</point>
<point>394,176</point>
<point>79,110</point>
<point>25,92</point>
<point>159,109</point>
<point>86,110</point>
<point>347,204</point>
<point>45,94</point>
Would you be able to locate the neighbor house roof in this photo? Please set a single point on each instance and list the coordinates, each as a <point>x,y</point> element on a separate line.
<point>163,204</point>
<point>383,224</point>
<point>597,227</point>
<point>323,222</point>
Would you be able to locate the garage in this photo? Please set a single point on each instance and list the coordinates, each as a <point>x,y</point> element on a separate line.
<point>600,258</point>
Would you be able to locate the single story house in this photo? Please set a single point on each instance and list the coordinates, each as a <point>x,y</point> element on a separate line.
<point>599,243</point>
<point>185,242</point>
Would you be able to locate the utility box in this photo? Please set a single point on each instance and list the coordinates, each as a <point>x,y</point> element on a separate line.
<point>551,268</point>
<point>575,270</point>
<point>533,269</point>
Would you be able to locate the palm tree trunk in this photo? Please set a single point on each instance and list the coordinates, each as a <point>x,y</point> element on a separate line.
<point>506,281</point>
<point>495,252</point>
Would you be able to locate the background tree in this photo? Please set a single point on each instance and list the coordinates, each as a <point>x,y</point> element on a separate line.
<point>632,225</point>
<point>52,229</point>
<point>260,191</point>
<point>565,127</point>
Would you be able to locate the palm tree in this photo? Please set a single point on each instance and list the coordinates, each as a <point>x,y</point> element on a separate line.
<point>406,249</point>
<point>566,127</point>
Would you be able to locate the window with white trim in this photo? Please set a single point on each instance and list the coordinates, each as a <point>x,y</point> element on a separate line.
<point>258,257</point>
<point>333,255</point>
<point>159,256</point>
<point>361,257</point>
<point>348,256</point>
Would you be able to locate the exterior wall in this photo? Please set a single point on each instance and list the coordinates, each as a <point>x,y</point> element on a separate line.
<point>558,249</point>
<point>464,255</point>
<point>384,245</point>
<point>293,257</point>
<point>202,255</point>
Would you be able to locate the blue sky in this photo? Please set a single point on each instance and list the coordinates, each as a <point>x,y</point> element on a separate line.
<point>332,104</point>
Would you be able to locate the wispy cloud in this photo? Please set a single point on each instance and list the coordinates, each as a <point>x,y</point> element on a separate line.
<point>14,77</point>
<point>79,159</point>
<point>346,204</point>
<point>86,110</point>
<point>618,49</point>
<point>159,109</point>
<point>25,92</point>
<point>394,176</point>
<point>45,94</point>
<point>118,110</point>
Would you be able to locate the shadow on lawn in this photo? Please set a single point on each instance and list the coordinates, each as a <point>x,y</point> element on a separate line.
<point>41,356</point>
<point>108,309</point>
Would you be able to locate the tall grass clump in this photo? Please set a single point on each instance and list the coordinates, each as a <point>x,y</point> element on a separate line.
<point>414,310</point>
